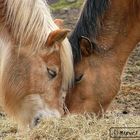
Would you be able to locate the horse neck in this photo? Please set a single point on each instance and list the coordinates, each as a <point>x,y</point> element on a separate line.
<point>119,32</point>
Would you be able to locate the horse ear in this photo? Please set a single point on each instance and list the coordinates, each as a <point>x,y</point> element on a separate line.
<point>59,22</point>
<point>57,36</point>
<point>86,46</point>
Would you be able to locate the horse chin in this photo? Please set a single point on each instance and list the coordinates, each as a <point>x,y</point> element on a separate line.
<point>43,115</point>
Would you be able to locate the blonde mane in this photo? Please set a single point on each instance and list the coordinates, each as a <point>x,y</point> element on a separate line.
<point>29,22</point>
<point>5,45</point>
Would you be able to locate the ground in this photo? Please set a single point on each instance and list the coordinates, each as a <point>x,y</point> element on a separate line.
<point>124,110</point>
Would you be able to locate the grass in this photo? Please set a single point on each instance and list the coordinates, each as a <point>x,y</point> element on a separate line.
<point>73,127</point>
<point>61,4</point>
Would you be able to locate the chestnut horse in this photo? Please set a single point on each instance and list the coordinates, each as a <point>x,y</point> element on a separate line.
<point>36,65</point>
<point>104,37</point>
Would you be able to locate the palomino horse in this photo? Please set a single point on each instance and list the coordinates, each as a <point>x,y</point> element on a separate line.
<point>104,37</point>
<point>36,65</point>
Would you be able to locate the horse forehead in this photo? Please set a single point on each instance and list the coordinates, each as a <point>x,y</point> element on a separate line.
<point>53,58</point>
<point>81,66</point>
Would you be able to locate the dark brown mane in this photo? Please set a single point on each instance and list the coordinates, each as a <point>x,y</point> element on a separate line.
<point>135,7</point>
<point>88,24</point>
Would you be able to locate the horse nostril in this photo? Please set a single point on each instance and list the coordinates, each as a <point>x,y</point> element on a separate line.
<point>37,121</point>
<point>125,112</point>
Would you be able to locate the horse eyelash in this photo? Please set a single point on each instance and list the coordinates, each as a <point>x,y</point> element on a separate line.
<point>52,73</point>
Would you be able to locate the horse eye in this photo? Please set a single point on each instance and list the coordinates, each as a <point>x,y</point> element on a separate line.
<point>51,73</point>
<point>78,78</point>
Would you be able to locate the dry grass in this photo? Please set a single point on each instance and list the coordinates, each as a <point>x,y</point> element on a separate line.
<point>73,127</point>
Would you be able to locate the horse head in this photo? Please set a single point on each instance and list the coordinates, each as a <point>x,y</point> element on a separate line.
<point>112,30</point>
<point>32,83</point>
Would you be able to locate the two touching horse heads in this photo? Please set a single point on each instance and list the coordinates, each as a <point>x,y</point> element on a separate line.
<point>36,65</point>
<point>104,37</point>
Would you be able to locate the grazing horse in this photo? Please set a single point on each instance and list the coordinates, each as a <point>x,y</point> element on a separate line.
<point>105,35</point>
<point>36,62</point>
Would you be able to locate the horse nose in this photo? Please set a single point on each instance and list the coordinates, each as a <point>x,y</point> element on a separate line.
<point>36,120</point>
<point>44,115</point>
